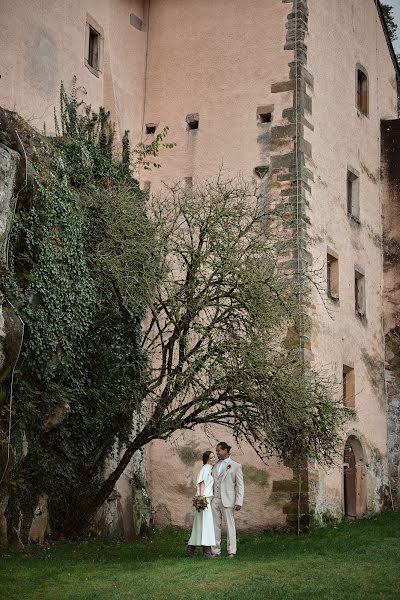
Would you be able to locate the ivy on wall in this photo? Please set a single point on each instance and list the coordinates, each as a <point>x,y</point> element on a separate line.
<point>82,263</point>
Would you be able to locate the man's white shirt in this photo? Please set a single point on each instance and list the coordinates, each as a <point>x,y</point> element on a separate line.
<point>222,464</point>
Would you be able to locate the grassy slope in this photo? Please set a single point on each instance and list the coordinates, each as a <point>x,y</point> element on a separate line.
<point>352,561</point>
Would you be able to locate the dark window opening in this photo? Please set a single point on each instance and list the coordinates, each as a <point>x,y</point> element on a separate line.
<point>264,113</point>
<point>332,279</point>
<point>359,293</point>
<point>136,22</point>
<point>348,386</point>
<point>261,171</point>
<point>94,49</point>
<point>362,92</point>
<point>353,203</point>
<point>265,117</point>
<point>151,128</point>
<point>192,121</point>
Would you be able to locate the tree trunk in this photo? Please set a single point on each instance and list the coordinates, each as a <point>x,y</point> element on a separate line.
<point>88,514</point>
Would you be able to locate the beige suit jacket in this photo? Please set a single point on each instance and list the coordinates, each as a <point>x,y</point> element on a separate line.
<point>232,485</point>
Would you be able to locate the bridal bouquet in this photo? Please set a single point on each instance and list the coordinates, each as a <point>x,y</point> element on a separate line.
<point>200,503</point>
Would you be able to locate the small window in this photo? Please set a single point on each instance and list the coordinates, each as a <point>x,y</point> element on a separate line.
<point>359,292</point>
<point>353,193</point>
<point>136,22</point>
<point>146,186</point>
<point>151,128</point>
<point>348,386</point>
<point>265,117</point>
<point>93,46</point>
<point>261,171</point>
<point>188,184</point>
<point>192,121</point>
<point>264,114</point>
<point>332,276</point>
<point>362,91</point>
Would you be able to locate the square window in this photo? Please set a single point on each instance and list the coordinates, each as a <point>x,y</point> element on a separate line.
<point>265,117</point>
<point>264,113</point>
<point>151,128</point>
<point>192,121</point>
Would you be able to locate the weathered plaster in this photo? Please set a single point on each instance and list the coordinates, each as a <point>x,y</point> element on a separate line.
<point>9,161</point>
<point>45,43</point>
<point>343,137</point>
<point>391,195</point>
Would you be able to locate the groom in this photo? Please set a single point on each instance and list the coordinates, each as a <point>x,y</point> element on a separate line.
<point>228,497</point>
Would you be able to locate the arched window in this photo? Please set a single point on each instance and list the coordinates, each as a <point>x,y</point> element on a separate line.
<point>362,90</point>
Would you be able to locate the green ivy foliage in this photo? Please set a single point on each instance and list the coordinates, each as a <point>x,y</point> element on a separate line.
<point>81,377</point>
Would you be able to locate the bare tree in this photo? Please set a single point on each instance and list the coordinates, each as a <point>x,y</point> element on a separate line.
<point>221,333</point>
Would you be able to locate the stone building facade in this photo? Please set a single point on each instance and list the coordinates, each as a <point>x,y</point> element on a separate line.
<point>300,97</point>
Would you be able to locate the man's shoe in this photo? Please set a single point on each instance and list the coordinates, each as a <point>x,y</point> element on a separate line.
<point>231,555</point>
<point>215,556</point>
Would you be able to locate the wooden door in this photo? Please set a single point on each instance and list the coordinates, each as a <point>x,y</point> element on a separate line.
<point>350,484</point>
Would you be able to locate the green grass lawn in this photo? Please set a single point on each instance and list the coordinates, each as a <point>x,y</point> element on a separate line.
<point>351,561</point>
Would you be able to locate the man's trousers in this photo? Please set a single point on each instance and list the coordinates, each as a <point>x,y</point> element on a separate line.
<point>219,512</point>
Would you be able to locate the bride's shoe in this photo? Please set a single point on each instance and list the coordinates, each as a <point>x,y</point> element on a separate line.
<point>190,551</point>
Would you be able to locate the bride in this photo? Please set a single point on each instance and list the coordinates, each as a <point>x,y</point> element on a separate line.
<point>203,525</point>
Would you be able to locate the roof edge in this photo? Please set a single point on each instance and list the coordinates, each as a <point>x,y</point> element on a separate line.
<point>388,39</point>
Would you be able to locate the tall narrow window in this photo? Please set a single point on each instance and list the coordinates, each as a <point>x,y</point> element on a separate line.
<point>359,292</point>
<point>93,46</point>
<point>353,194</point>
<point>332,275</point>
<point>362,90</point>
<point>348,386</point>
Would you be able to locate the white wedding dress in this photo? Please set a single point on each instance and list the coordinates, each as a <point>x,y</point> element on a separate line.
<point>203,526</point>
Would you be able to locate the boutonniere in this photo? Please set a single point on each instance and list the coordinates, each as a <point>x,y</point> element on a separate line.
<point>228,467</point>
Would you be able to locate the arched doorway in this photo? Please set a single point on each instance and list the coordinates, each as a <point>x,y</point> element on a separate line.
<point>354,473</point>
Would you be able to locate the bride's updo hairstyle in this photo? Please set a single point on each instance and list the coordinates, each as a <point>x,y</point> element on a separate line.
<point>206,456</point>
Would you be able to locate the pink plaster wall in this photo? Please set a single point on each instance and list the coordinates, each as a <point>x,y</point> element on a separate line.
<point>338,32</point>
<point>204,58</point>
<point>217,59</point>
<point>44,43</point>
<point>172,469</point>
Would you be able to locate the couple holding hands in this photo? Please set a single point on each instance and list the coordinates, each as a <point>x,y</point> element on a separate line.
<point>221,483</point>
